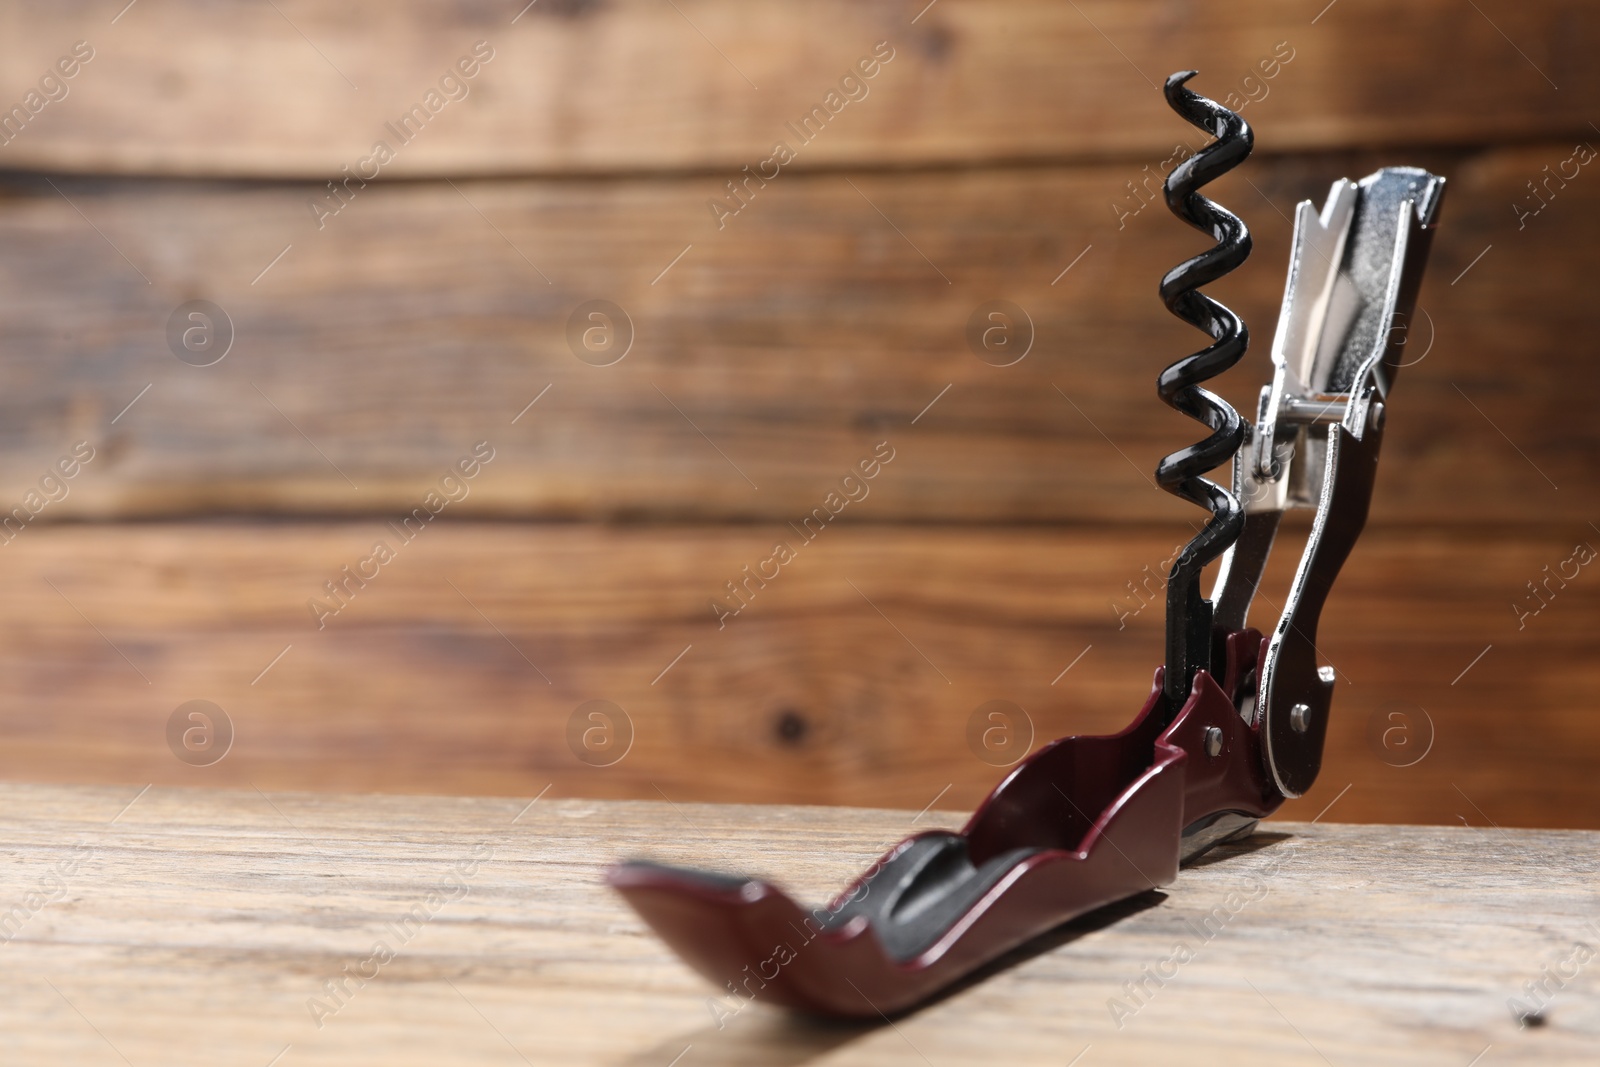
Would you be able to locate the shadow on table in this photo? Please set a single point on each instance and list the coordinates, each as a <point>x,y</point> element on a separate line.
<point>1222,853</point>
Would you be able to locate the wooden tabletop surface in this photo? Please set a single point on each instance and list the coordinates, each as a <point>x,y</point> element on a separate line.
<point>183,926</point>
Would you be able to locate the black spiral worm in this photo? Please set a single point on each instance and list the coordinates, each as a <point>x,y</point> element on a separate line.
<point>1189,638</point>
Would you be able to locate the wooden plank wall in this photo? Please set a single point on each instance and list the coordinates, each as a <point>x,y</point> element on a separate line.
<point>379,330</point>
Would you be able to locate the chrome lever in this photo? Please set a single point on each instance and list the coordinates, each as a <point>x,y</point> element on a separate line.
<point>1353,277</point>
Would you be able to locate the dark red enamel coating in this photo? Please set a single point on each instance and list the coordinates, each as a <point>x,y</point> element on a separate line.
<point>1107,811</point>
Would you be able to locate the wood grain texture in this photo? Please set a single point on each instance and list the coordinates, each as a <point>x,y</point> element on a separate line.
<point>198,927</point>
<point>301,89</point>
<point>766,362</point>
<point>1006,152</point>
<point>851,678</point>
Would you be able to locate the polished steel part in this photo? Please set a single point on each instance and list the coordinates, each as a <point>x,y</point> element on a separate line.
<point>1353,278</point>
<point>1300,718</point>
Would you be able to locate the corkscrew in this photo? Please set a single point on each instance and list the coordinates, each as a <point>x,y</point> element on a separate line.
<point>1235,722</point>
<point>1189,615</point>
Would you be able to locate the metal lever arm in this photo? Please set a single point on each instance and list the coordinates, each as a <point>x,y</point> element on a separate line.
<point>1352,286</point>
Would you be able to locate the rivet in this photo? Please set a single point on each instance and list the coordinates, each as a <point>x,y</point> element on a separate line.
<point>1213,741</point>
<point>1300,718</point>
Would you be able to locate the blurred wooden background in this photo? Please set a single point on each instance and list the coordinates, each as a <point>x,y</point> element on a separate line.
<point>1003,151</point>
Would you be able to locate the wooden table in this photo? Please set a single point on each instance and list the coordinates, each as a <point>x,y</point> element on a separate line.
<point>181,926</point>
